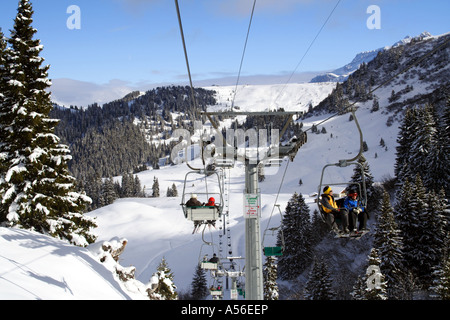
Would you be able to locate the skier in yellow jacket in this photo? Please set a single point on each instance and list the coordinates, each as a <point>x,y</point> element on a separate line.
<point>332,211</point>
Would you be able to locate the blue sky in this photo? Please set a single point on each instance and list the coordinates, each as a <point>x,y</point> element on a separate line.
<point>136,44</point>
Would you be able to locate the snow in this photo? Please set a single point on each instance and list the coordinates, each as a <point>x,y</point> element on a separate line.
<point>35,266</point>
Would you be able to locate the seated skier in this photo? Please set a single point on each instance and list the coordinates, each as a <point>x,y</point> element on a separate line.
<point>332,211</point>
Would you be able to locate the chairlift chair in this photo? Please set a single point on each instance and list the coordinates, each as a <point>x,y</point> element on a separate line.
<point>223,162</point>
<point>275,251</point>
<point>203,213</point>
<point>343,164</point>
<point>361,187</point>
<point>339,197</point>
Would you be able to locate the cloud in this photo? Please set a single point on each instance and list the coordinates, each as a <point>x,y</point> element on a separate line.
<point>69,92</point>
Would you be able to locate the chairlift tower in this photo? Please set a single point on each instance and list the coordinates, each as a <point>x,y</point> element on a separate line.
<point>253,254</point>
<point>252,202</point>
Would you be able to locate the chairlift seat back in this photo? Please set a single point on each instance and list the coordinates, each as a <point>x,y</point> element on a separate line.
<point>224,163</point>
<point>208,265</point>
<point>273,251</point>
<point>216,292</point>
<point>202,213</point>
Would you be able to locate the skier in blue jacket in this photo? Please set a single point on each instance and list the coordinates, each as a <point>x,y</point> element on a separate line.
<point>355,210</point>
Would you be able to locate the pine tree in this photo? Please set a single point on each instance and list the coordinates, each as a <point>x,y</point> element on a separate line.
<point>4,78</point>
<point>421,219</point>
<point>319,228</point>
<point>408,222</point>
<point>36,189</point>
<point>433,234</point>
<point>166,288</point>
<point>155,188</point>
<point>389,245</point>
<point>359,289</point>
<point>444,142</point>
<point>270,279</point>
<point>108,191</point>
<point>438,156</point>
<point>137,188</point>
<point>318,286</point>
<point>441,283</point>
<point>376,284</point>
<point>3,70</point>
<point>424,140</point>
<point>372,195</point>
<point>199,286</point>
<point>174,190</point>
<point>404,141</point>
<point>296,230</point>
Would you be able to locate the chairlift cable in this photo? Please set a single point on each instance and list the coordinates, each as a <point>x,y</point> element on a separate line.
<point>186,55</point>
<point>243,55</point>
<point>307,50</point>
<point>276,199</point>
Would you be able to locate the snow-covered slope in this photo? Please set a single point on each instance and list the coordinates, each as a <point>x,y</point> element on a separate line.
<point>290,97</point>
<point>38,267</point>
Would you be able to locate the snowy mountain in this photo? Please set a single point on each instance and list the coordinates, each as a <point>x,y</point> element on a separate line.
<point>35,266</point>
<point>341,74</point>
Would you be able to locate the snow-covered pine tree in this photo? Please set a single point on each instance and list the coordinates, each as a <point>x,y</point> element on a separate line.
<point>424,140</point>
<point>359,289</point>
<point>296,230</point>
<point>404,141</point>
<point>421,219</point>
<point>319,228</point>
<point>423,148</point>
<point>3,72</point>
<point>373,197</point>
<point>441,283</point>
<point>36,189</point>
<point>318,286</point>
<point>438,157</point>
<point>376,284</point>
<point>109,191</point>
<point>199,288</point>
<point>408,222</point>
<point>174,190</point>
<point>444,140</point>
<point>127,185</point>
<point>270,279</point>
<point>155,187</point>
<point>433,234</point>
<point>445,205</point>
<point>389,245</point>
<point>137,188</point>
<point>166,287</point>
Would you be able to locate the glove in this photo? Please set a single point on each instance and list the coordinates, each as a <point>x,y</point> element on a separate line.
<point>357,210</point>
